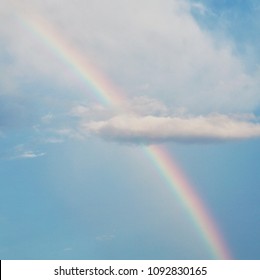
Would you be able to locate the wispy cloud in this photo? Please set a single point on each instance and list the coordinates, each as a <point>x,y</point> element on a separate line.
<point>46,119</point>
<point>105,237</point>
<point>28,155</point>
<point>23,152</point>
<point>154,129</point>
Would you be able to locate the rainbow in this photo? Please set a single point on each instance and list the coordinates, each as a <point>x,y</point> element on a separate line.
<point>108,94</point>
<point>178,183</point>
<point>105,92</point>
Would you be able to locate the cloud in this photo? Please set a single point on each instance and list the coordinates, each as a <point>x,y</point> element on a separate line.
<point>53,140</point>
<point>105,237</point>
<point>154,129</point>
<point>30,154</point>
<point>47,118</point>
<point>149,48</point>
<point>155,52</point>
<point>22,152</point>
<point>141,105</point>
<point>197,6</point>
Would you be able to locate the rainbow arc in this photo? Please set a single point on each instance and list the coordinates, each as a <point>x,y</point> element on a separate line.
<point>110,95</point>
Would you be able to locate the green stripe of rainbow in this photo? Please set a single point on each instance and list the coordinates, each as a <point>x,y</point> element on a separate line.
<point>108,94</point>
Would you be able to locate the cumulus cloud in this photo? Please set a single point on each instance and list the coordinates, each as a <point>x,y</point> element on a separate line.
<point>154,129</point>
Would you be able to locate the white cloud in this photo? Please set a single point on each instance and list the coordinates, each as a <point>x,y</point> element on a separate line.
<point>153,50</point>
<point>46,119</point>
<point>141,105</point>
<point>151,47</point>
<point>94,111</point>
<point>22,152</point>
<point>154,129</point>
<point>27,155</point>
<point>30,154</point>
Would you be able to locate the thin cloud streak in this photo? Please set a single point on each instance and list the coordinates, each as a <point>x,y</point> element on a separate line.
<point>27,155</point>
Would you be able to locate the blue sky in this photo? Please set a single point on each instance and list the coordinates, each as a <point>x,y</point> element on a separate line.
<point>74,183</point>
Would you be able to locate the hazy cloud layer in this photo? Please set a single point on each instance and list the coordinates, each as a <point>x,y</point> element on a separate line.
<point>152,129</point>
<point>151,47</point>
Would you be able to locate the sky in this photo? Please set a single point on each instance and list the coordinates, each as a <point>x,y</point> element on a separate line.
<point>129,129</point>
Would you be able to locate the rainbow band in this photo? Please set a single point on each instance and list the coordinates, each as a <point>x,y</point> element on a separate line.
<point>105,92</point>
<point>177,182</point>
<point>108,94</point>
